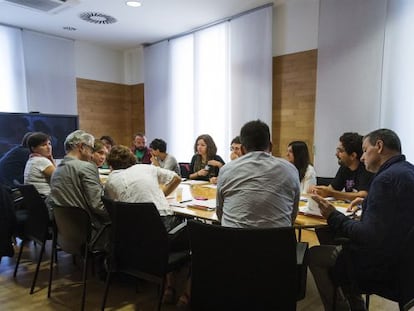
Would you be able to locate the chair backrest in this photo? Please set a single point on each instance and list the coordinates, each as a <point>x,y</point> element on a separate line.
<point>324,181</point>
<point>7,222</point>
<point>140,240</point>
<point>73,226</point>
<point>407,270</point>
<point>38,220</point>
<point>247,269</point>
<point>185,169</point>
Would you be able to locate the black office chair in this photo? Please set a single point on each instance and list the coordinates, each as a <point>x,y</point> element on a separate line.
<point>7,222</point>
<point>184,169</point>
<point>244,269</point>
<point>37,227</point>
<point>141,246</point>
<point>401,288</point>
<point>74,236</point>
<point>324,181</point>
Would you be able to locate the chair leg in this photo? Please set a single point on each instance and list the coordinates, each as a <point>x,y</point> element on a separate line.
<point>85,272</point>
<point>107,283</point>
<point>53,254</point>
<point>161,293</point>
<point>367,302</point>
<point>42,250</point>
<point>18,258</point>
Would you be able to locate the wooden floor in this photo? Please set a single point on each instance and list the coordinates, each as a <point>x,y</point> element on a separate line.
<point>67,289</point>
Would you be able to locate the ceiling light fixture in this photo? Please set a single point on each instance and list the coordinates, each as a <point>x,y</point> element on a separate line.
<point>133,4</point>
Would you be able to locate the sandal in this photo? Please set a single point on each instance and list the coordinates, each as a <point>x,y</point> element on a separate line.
<point>184,302</point>
<point>169,295</point>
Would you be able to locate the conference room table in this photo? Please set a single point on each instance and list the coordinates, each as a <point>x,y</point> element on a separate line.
<point>197,200</point>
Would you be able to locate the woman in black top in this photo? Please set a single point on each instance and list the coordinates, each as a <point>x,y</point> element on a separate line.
<point>205,163</point>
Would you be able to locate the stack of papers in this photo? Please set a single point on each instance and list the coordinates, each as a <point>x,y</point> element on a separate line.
<point>207,205</point>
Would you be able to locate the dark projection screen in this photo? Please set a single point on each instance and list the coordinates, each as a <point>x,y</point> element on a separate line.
<point>14,125</point>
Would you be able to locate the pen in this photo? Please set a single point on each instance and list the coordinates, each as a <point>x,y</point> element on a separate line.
<point>185,201</point>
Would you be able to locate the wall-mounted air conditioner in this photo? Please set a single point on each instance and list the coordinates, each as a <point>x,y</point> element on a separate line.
<point>49,6</point>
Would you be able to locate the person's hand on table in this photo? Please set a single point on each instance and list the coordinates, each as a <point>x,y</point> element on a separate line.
<point>355,205</point>
<point>202,172</point>
<point>323,191</point>
<point>325,207</point>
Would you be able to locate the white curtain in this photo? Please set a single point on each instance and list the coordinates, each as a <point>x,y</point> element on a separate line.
<point>12,75</point>
<point>397,105</point>
<point>209,82</point>
<point>50,73</point>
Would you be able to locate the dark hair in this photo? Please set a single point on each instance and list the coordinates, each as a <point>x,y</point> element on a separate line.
<point>301,156</point>
<point>158,144</point>
<point>255,136</point>
<point>36,139</point>
<point>211,146</point>
<point>236,140</point>
<point>121,157</point>
<point>140,135</point>
<point>98,145</point>
<point>109,139</point>
<point>388,137</point>
<point>25,139</point>
<point>352,142</point>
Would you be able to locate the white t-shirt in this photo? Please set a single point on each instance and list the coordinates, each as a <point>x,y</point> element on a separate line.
<point>33,174</point>
<point>308,180</point>
<point>140,183</point>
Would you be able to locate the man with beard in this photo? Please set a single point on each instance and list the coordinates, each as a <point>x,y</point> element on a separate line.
<point>352,179</point>
<point>140,150</point>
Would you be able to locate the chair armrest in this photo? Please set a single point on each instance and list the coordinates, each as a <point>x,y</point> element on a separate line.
<point>178,228</point>
<point>99,233</point>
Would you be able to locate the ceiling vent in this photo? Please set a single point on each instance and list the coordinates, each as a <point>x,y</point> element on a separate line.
<point>49,6</point>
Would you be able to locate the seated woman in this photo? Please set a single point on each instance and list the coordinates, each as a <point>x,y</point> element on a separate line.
<point>99,153</point>
<point>108,142</point>
<point>41,165</point>
<point>298,155</point>
<point>205,164</point>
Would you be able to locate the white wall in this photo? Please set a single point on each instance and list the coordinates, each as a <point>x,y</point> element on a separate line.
<point>134,66</point>
<point>98,63</point>
<point>295,26</point>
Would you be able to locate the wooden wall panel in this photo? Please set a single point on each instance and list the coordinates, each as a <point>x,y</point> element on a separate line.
<point>118,110</point>
<point>110,109</point>
<point>294,92</point>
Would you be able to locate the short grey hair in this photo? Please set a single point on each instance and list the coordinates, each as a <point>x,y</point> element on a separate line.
<point>78,137</point>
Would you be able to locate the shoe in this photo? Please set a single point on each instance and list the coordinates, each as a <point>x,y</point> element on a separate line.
<point>169,295</point>
<point>184,302</point>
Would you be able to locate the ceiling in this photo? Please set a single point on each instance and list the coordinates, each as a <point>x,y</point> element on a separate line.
<point>153,21</point>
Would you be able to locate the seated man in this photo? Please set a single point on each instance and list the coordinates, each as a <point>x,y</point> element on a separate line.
<point>140,183</point>
<point>161,158</point>
<point>140,150</point>
<point>352,179</point>
<point>258,189</point>
<point>376,239</point>
<point>235,148</point>
<point>75,182</point>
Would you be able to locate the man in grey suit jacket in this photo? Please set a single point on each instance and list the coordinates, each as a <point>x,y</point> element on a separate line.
<point>75,182</point>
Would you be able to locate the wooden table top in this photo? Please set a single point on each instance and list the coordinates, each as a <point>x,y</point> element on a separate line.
<point>208,191</point>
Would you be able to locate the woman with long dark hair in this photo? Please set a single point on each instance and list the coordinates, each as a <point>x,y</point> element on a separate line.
<point>298,155</point>
<point>205,163</point>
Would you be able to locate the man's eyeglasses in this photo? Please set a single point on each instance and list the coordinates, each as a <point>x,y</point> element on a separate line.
<point>235,148</point>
